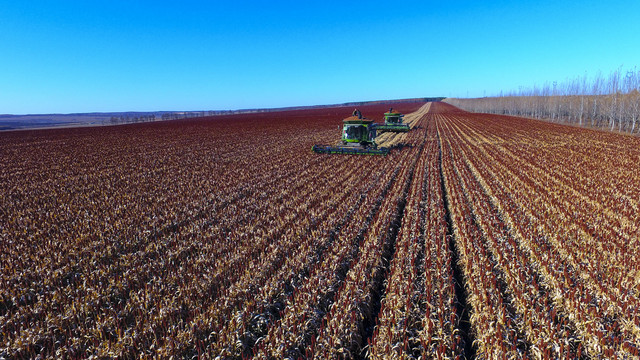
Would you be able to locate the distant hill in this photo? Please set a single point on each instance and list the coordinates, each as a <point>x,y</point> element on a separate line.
<point>39,121</point>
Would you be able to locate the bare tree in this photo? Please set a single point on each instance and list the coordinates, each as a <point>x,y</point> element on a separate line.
<point>611,102</point>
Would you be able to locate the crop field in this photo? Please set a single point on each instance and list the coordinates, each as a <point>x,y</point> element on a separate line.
<point>479,236</point>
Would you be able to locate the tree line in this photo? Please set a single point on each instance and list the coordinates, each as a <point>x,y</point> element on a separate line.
<point>611,102</point>
<point>127,118</point>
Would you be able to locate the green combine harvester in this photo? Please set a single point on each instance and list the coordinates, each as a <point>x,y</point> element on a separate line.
<point>359,134</point>
<point>393,122</point>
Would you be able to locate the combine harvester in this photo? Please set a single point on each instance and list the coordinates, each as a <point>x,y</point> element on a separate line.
<point>393,122</point>
<point>359,134</point>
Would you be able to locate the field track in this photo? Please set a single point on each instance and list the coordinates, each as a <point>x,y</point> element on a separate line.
<point>481,236</point>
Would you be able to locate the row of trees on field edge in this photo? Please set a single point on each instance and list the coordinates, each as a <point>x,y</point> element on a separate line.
<point>611,102</point>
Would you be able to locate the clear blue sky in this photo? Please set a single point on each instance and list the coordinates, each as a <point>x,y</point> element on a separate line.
<point>80,56</point>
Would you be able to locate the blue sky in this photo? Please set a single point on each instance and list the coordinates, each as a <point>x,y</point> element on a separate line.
<point>83,56</point>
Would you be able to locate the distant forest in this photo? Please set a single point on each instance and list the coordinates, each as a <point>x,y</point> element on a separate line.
<point>611,102</point>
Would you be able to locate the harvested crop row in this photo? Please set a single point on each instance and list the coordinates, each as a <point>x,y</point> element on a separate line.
<point>398,314</point>
<point>113,223</point>
<point>295,332</point>
<point>344,333</point>
<point>525,195</point>
<point>419,301</point>
<point>226,237</point>
<point>495,334</point>
<point>586,288</point>
<point>280,280</point>
<point>531,303</point>
<point>308,305</point>
<point>125,285</point>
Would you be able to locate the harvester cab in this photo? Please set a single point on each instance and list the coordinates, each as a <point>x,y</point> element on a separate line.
<point>392,117</point>
<point>359,134</point>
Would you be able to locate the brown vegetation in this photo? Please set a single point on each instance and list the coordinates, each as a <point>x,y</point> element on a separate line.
<point>487,236</point>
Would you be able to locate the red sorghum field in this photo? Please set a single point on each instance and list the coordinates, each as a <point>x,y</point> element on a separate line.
<point>484,237</point>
